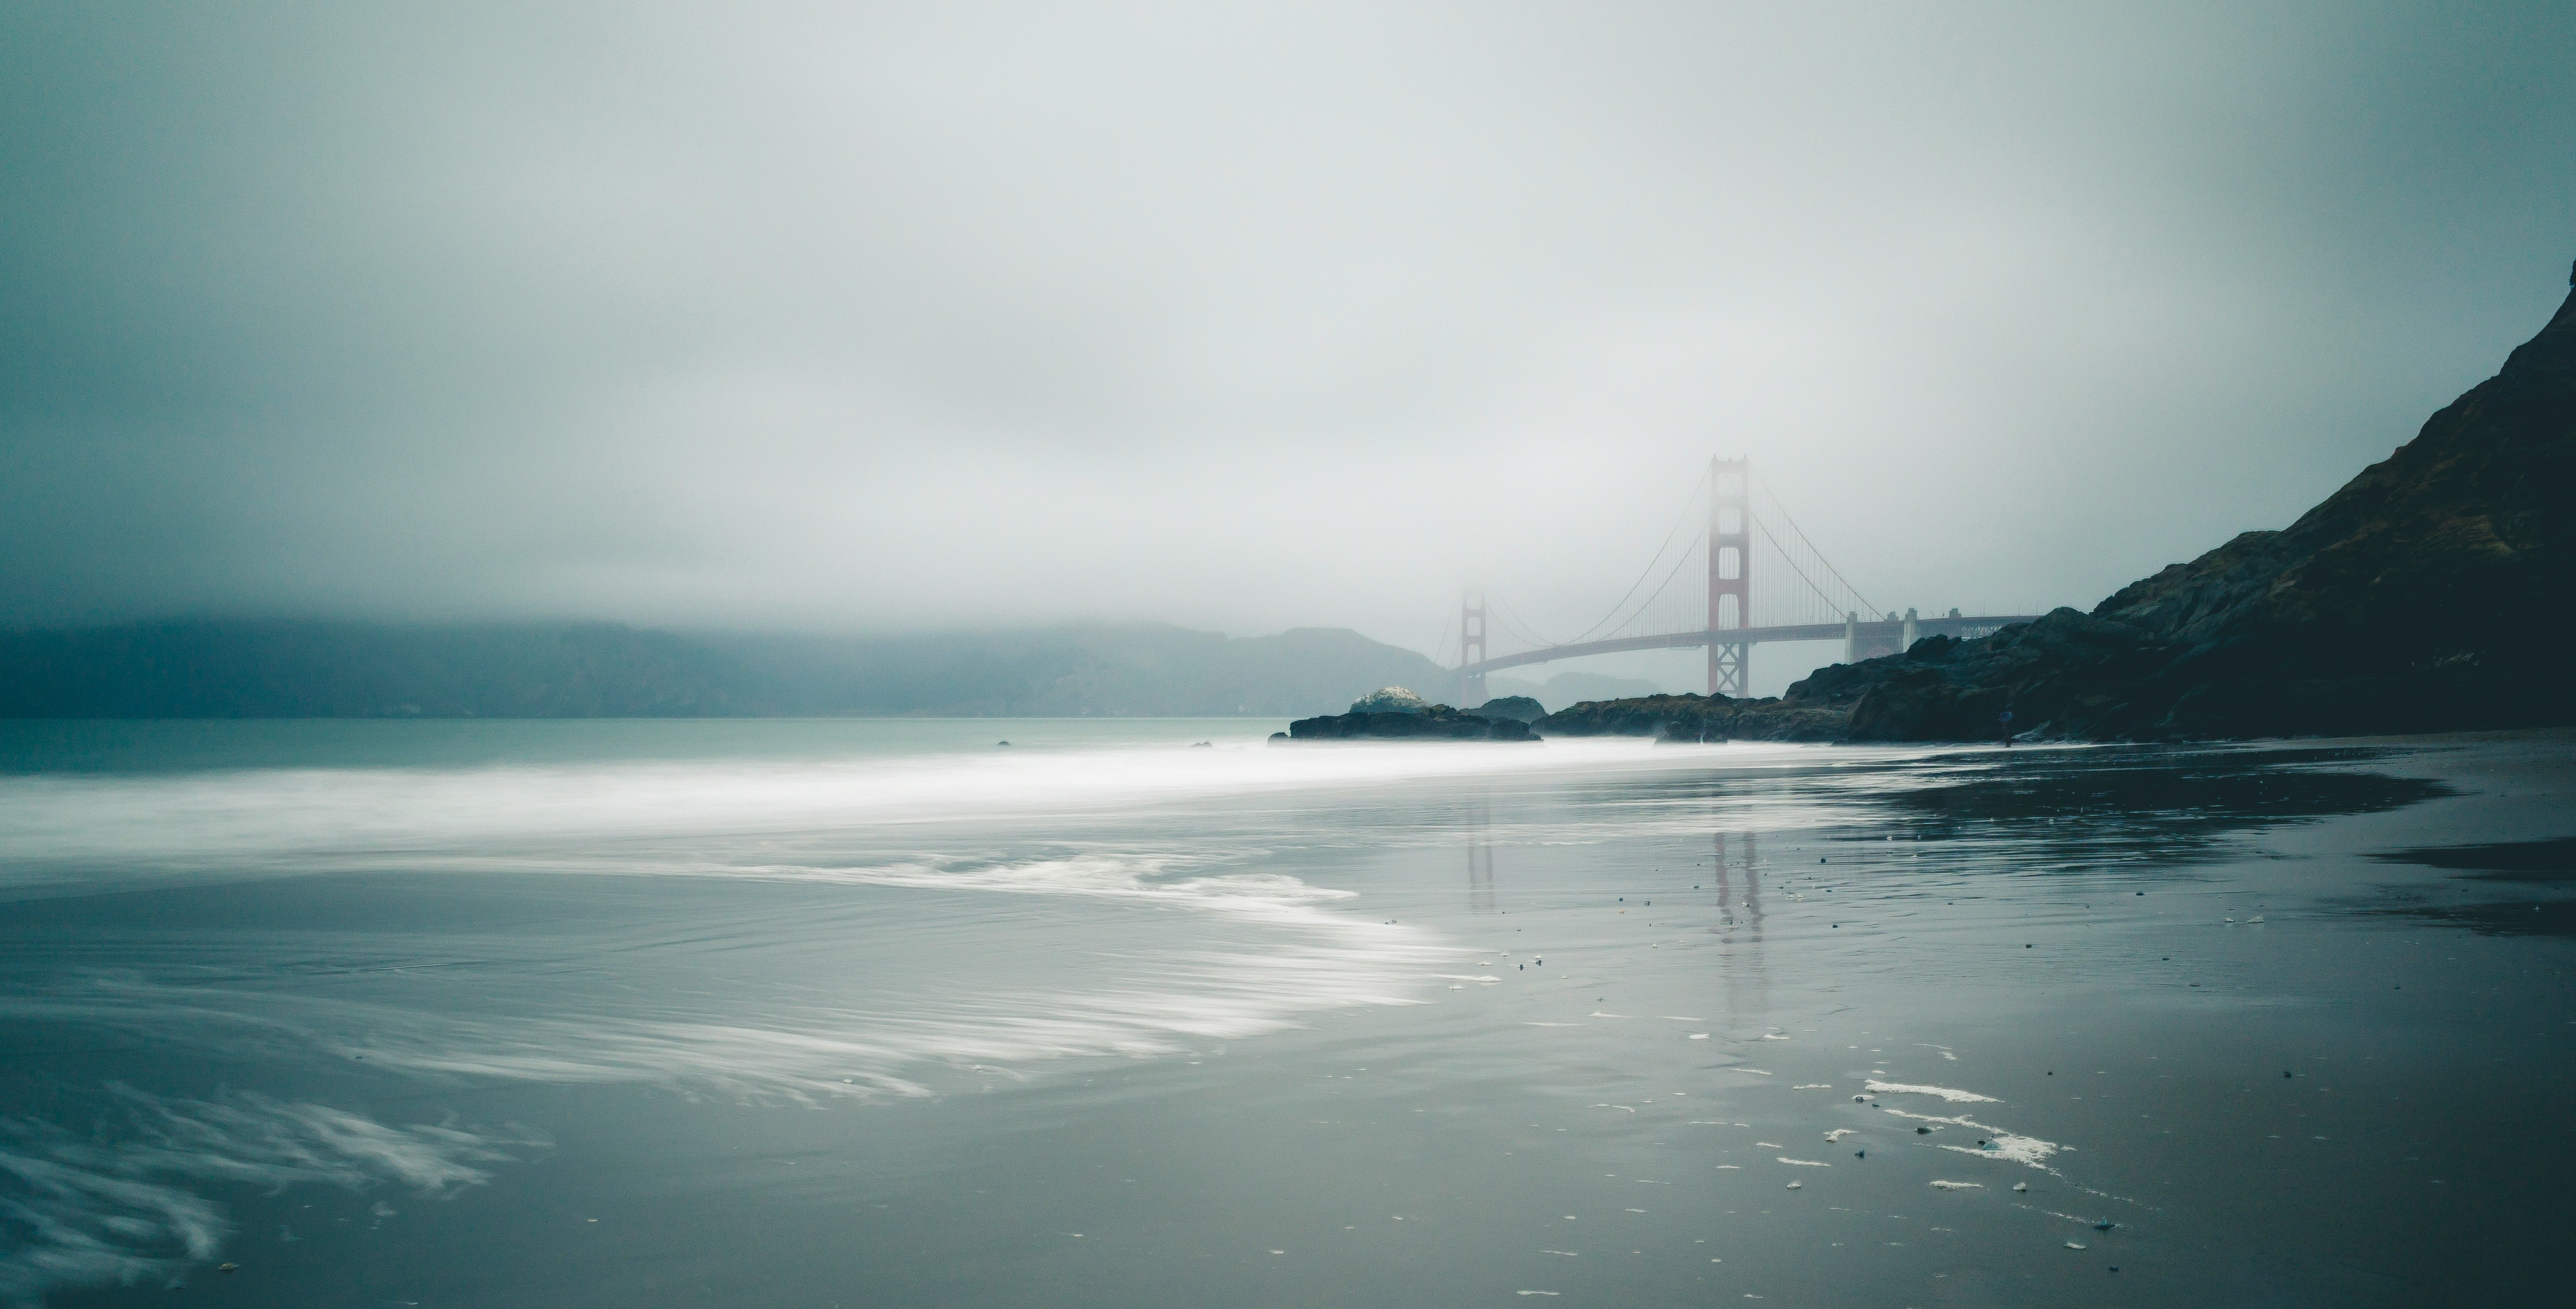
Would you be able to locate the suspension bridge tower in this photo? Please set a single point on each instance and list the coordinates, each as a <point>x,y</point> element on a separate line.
<point>1471,650</point>
<point>1804,599</point>
<point>1730,572</point>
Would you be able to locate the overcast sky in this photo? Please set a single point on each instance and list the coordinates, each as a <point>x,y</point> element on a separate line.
<point>829,318</point>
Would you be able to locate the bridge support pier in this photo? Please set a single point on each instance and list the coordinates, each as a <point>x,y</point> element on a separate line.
<point>1881,639</point>
<point>1910,633</point>
<point>1727,668</point>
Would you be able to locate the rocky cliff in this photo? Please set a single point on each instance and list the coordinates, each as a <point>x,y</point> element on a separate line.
<point>1520,708</point>
<point>1699,718</point>
<point>2430,593</point>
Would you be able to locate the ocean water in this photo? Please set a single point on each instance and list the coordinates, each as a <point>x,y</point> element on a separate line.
<point>889,1013</point>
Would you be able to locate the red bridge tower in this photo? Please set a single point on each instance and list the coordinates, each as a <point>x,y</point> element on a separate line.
<point>1730,572</point>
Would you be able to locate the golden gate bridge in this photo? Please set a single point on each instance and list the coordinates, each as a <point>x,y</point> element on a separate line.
<point>1702,594</point>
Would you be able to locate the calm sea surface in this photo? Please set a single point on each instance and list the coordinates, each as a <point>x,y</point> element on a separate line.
<point>885,1013</point>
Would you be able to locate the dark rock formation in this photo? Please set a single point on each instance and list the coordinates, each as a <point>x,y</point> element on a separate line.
<point>1390,700</point>
<point>1519,708</point>
<point>1438,723</point>
<point>1699,718</point>
<point>2431,593</point>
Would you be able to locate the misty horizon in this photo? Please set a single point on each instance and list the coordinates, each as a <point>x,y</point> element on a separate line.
<point>818,321</point>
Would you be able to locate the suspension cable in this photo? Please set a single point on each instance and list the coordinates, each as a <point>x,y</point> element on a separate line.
<point>1668,577</point>
<point>1496,606</point>
<point>1854,591</point>
<point>1657,558</point>
<point>1622,615</point>
<point>1791,560</point>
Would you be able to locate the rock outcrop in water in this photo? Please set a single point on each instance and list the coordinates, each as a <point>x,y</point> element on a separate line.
<point>1699,718</point>
<point>1520,708</point>
<point>1434,723</point>
<point>1390,700</point>
<point>2431,593</point>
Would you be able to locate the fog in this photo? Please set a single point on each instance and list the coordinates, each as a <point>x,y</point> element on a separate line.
<point>836,318</point>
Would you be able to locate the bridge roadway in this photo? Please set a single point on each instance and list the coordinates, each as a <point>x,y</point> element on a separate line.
<point>1877,632</point>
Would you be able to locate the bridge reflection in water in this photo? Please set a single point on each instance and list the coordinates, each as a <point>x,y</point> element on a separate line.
<point>1709,600</point>
<point>1735,876</point>
<point>1740,972</point>
<point>1480,856</point>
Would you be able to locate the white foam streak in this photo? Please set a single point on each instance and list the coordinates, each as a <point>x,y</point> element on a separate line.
<point>198,818</point>
<point>1306,959</point>
<point>2010,1147</point>
<point>823,1053</point>
<point>1950,1094</point>
<point>57,826</point>
<point>110,1208</point>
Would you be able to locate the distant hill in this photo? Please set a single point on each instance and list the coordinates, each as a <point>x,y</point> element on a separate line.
<point>256,668</point>
<point>1145,669</point>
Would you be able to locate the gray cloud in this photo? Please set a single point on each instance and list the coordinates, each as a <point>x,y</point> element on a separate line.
<point>828,317</point>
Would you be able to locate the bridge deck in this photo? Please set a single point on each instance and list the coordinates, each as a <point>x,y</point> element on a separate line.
<point>1881,631</point>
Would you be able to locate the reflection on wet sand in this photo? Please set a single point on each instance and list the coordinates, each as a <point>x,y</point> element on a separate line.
<point>1480,856</point>
<point>1740,971</point>
<point>1997,973</point>
<point>2511,888</point>
<point>2148,803</point>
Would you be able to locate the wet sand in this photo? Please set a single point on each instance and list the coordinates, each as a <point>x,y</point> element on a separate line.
<point>1673,1025</point>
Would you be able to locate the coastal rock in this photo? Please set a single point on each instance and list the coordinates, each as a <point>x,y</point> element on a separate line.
<point>1390,700</point>
<point>1698,718</point>
<point>1432,723</point>
<point>1947,690</point>
<point>1520,708</point>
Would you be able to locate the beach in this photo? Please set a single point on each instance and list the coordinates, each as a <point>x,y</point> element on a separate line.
<point>886,1013</point>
